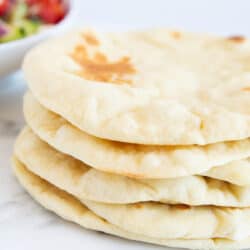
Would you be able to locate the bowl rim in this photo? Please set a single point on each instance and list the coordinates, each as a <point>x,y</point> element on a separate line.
<point>42,33</point>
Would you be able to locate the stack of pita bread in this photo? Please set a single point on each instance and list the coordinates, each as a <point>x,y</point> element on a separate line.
<point>143,135</point>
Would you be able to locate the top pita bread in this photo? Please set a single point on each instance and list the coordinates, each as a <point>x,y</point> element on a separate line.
<point>150,87</point>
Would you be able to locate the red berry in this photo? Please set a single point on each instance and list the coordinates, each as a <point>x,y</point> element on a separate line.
<point>4,6</point>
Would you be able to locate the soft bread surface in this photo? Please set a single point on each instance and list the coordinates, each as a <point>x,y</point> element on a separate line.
<point>71,209</point>
<point>148,87</point>
<point>140,161</point>
<point>156,220</point>
<point>85,182</point>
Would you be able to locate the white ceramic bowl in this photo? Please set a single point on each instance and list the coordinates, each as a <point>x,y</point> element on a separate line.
<point>12,53</point>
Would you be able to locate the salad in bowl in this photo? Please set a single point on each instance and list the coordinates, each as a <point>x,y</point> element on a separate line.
<point>24,23</point>
<point>22,18</point>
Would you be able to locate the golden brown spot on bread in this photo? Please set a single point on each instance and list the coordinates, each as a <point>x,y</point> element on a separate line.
<point>246,89</point>
<point>138,205</point>
<point>98,68</point>
<point>182,206</point>
<point>99,57</point>
<point>176,34</point>
<point>90,39</point>
<point>237,39</point>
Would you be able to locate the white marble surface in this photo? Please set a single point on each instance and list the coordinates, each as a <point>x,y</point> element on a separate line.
<point>23,224</point>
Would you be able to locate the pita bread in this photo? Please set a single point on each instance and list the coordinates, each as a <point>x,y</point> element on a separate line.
<point>84,182</point>
<point>236,172</point>
<point>71,209</point>
<point>150,87</point>
<point>139,161</point>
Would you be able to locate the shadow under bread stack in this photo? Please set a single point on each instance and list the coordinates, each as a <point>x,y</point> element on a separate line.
<point>143,135</point>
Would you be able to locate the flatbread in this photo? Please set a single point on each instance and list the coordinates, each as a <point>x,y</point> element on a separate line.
<point>148,87</point>
<point>236,172</point>
<point>71,209</point>
<point>85,182</point>
<point>140,161</point>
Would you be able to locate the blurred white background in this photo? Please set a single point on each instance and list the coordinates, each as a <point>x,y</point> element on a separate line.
<point>218,16</point>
